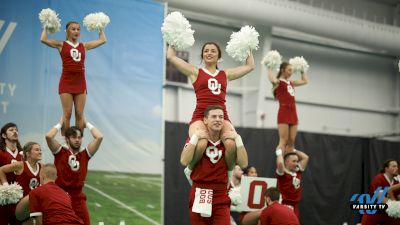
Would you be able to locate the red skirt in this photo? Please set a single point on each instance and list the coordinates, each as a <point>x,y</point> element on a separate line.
<point>72,82</point>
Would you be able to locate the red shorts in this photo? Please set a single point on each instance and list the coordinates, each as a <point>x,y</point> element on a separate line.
<point>220,209</point>
<point>80,208</point>
<point>198,114</point>
<point>287,115</point>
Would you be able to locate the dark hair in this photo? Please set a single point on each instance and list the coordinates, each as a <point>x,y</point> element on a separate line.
<point>386,164</point>
<point>246,170</point>
<point>28,147</point>
<point>287,155</point>
<point>281,69</point>
<point>3,140</point>
<point>73,131</point>
<point>69,23</point>
<point>211,43</point>
<point>273,193</point>
<point>212,107</point>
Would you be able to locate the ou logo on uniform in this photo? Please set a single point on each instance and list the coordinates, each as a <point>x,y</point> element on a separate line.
<point>214,86</point>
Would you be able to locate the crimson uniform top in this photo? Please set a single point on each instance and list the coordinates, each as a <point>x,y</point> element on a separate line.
<point>53,204</point>
<point>382,181</point>
<point>71,169</point>
<point>73,74</point>
<point>289,184</point>
<point>210,89</point>
<point>8,157</point>
<point>28,179</point>
<point>277,214</point>
<point>287,105</point>
<point>211,170</point>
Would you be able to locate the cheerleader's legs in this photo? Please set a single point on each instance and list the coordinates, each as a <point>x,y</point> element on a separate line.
<point>292,138</point>
<point>66,103</point>
<point>79,103</point>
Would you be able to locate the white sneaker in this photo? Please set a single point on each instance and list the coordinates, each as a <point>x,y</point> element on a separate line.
<point>188,172</point>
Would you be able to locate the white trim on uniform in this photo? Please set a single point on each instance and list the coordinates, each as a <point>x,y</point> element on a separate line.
<point>215,143</point>
<point>14,154</point>
<point>32,170</point>
<point>72,44</point>
<point>209,73</point>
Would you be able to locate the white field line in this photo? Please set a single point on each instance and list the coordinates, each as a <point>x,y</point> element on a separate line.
<point>123,205</point>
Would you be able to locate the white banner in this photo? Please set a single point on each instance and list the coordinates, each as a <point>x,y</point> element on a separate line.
<point>252,190</point>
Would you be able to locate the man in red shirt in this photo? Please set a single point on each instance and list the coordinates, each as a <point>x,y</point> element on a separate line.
<point>289,170</point>
<point>49,204</point>
<point>275,213</point>
<point>72,162</point>
<point>208,200</point>
<point>10,151</point>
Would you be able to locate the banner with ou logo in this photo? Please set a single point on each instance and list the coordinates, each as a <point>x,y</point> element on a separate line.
<point>252,190</point>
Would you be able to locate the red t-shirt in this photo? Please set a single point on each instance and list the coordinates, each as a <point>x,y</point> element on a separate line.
<point>71,169</point>
<point>8,157</point>
<point>29,178</point>
<point>53,204</point>
<point>210,89</point>
<point>211,168</point>
<point>290,186</point>
<point>277,214</point>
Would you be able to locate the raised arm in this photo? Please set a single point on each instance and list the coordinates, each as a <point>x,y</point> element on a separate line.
<point>50,42</point>
<point>391,191</point>
<point>303,80</point>
<point>272,78</point>
<point>189,150</point>
<point>98,138</point>
<point>52,143</point>
<point>186,68</point>
<point>280,166</point>
<point>303,159</point>
<point>16,167</point>
<point>238,72</point>
<point>96,43</point>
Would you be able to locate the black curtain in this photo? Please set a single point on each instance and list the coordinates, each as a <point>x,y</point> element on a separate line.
<point>339,167</point>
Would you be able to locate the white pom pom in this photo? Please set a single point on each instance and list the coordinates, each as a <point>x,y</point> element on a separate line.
<point>235,196</point>
<point>299,64</point>
<point>50,20</point>
<point>393,209</point>
<point>96,21</point>
<point>242,42</point>
<point>272,60</point>
<point>177,31</point>
<point>10,194</point>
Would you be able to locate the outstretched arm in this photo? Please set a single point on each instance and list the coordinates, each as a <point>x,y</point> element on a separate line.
<point>98,138</point>
<point>186,68</point>
<point>96,43</point>
<point>16,167</point>
<point>50,42</point>
<point>238,72</point>
<point>272,78</point>
<point>303,80</point>
<point>52,143</point>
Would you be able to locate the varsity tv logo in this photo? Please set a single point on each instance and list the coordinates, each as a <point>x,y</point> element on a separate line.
<point>366,204</point>
<point>7,33</point>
